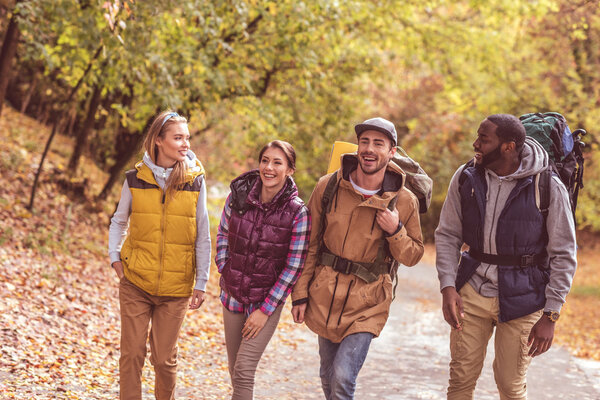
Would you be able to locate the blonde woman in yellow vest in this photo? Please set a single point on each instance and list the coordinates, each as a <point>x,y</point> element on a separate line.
<point>164,262</point>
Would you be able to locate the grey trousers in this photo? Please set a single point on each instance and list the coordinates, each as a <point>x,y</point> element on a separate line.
<point>244,355</point>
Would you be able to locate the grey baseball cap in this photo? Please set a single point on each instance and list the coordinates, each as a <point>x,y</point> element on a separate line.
<point>378,124</point>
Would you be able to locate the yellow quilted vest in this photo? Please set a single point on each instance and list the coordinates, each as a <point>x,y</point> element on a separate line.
<point>159,253</point>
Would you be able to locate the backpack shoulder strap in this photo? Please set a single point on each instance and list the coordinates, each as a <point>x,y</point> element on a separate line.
<point>542,191</point>
<point>578,178</point>
<point>328,194</point>
<point>326,200</point>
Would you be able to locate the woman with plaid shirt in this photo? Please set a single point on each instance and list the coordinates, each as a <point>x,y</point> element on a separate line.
<point>262,243</point>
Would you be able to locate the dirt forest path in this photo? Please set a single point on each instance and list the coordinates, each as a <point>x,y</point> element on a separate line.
<point>408,361</point>
<point>410,358</point>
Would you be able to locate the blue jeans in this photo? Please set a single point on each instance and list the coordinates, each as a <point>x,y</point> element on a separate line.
<point>340,364</point>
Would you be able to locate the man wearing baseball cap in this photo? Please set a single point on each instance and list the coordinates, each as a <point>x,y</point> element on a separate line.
<point>364,222</point>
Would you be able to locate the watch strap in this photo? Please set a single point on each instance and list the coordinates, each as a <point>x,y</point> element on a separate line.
<point>552,315</point>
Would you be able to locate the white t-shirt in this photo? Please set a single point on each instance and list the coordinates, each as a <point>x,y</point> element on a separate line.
<point>365,192</point>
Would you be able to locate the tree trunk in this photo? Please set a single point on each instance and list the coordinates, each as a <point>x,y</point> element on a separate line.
<point>68,100</point>
<point>39,171</point>
<point>71,123</point>
<point>45,115</point>
<point>88,124</point>
<point>9,49</point>
<point>54,126</point>
<point>127,145</point>
<point>42,110</point>
<point>30,91</point>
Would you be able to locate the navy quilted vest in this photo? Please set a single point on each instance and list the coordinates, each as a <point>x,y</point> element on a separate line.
<point>259,237</point>
<point>520,231</point>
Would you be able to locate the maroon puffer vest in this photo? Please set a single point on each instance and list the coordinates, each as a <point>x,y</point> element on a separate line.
<point>259,237</point>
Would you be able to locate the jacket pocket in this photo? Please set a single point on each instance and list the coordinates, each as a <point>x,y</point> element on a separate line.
<point>524,358</point>
<point>321,296</point>
<point>371,294</point>
<point>133,259</point>
<point>129,257</point>
<point>515,281</point>
<point>387,287</point>
<point>126,252</point>
<point>458,348</point>
<point>315,281</point>
<point>539,277</point>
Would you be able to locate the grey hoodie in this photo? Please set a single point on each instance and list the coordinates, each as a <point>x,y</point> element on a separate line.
<point>560,225</point>
<point>120,221</point>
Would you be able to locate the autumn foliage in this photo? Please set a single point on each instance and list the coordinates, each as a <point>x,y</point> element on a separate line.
<point>59,314</point>
<point>246,72</point>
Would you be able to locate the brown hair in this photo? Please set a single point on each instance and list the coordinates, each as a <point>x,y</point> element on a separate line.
<point>288,150</point>
<point>159,127</point>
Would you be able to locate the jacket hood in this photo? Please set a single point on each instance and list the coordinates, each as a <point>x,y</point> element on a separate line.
<point>245,189</point>
<point>193,164</point>
<point>393,180</point>
<point>534,159</point>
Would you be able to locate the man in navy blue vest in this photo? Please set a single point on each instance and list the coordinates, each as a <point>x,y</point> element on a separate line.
<point>519,265</point>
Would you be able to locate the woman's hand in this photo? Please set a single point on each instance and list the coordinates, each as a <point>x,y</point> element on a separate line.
<point>197,299</point>
<point>255,322</point>
<point>118,267</point>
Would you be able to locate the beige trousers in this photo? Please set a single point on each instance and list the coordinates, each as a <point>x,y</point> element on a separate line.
<point>468,348</point>
<point>244,355</point>
<point>138,308</point>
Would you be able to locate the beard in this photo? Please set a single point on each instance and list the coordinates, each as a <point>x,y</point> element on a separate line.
<point>490,157</point>
<point>380,164</point>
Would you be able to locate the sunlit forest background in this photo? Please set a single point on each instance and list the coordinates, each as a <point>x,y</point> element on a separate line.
<point>247,72</point>
<point>80,81</point>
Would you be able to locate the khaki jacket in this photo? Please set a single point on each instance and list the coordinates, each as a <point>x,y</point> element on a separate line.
<point>341,304</point>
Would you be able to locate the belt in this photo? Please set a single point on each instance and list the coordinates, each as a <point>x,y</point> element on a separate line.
<point>369,272</point>
<point>526,260</point>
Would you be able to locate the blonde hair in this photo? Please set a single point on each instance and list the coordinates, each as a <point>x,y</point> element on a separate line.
<point>159,127</point>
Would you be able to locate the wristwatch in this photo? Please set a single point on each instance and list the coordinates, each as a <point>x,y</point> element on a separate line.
<point>552,315</point>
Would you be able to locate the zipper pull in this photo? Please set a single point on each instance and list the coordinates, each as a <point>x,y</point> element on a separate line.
<point>472,192</point>
<point>163,198</point>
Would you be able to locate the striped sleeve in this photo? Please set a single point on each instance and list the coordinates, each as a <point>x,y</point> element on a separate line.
<point>222,237</point>
<point>294,263</point>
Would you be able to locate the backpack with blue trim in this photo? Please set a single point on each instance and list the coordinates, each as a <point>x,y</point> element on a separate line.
<point>565,150</point>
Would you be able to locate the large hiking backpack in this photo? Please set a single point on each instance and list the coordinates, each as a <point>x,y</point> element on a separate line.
<point>417,180</point>
<point>564,148</point>
<point>566,158</point>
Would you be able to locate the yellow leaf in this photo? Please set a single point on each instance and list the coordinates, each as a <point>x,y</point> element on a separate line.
<point>24,214</point>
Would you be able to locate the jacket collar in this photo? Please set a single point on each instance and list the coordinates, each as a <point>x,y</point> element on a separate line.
<point>288,190</point>
<point>145,173</point>
<point>246,190</point>
<point>393,179</point>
